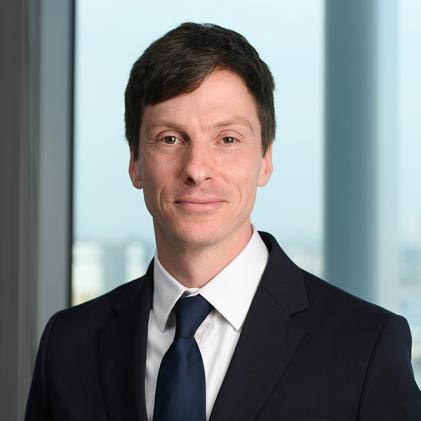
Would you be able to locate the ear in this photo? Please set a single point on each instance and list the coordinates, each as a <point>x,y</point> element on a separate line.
<point>134,171</point>
<point>266,167</point>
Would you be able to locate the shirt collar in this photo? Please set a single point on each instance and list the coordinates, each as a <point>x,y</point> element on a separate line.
<point>230,292</point>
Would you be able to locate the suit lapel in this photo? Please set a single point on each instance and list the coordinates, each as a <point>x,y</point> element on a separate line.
<point>122,353</point>
<point>268,340</point>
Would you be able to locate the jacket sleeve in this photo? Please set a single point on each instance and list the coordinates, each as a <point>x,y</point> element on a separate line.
<point>38,405</point>
<point>390,392</point>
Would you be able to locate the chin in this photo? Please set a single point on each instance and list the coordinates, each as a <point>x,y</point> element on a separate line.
<point>197,234</point>
<point>198,237</point>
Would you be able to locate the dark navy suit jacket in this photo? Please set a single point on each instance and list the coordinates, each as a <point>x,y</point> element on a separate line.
<point>308,351</point>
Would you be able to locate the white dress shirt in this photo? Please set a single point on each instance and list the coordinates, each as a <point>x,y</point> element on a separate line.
<point>230,292</point>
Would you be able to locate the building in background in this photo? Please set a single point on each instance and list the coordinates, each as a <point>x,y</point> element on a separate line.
<point>99,267</point>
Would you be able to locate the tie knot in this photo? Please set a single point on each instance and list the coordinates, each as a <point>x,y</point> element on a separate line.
<point>190,313</point>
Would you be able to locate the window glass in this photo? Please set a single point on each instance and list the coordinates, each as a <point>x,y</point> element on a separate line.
<point>410,172</point>
<point>113,236</point>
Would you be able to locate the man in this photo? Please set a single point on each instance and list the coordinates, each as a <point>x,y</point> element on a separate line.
<point>223,326</point>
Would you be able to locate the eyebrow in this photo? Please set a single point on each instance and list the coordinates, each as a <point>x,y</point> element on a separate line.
<point>234,120</point>
<point>181,128</point>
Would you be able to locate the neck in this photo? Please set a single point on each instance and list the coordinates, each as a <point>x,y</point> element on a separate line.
<point>193,265</point>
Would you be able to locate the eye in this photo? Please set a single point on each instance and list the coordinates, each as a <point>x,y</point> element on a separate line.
<point>169,140</point>
<point>229,140</point>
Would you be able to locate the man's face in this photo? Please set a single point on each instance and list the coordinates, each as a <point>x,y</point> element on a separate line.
<point>200,162</point>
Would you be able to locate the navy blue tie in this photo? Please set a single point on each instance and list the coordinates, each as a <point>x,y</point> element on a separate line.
<point>181,388</point>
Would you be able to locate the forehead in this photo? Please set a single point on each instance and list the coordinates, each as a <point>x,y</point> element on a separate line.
<point>221,96</point>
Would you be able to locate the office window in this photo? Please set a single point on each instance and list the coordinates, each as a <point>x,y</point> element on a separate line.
<point>113,237</point>
<point>410,171</point>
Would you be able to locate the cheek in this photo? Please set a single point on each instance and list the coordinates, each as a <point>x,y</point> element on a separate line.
<point>247,170</point>
<point>158,177</point>
<point>246,178</point>
<point>150,180</point>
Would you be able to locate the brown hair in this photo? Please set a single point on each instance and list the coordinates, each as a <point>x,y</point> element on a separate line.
<point>179,61</point>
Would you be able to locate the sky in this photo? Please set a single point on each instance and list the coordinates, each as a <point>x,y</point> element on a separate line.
<point>409,151</point>
<point>289,37</point>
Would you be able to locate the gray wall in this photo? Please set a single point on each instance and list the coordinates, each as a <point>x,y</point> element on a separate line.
<point>35,183</point>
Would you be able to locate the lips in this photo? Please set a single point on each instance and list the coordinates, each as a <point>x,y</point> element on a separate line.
<point>199,203</point>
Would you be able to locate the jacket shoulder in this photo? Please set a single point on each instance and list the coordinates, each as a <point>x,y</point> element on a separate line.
<point>93,314</point>
<point>322,292</point>
<point>344,310</point>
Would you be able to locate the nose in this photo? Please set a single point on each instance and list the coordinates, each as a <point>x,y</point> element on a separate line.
<point>198,164</point>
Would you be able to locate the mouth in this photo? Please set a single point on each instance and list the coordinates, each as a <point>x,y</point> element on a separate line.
<point>199,205</point>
